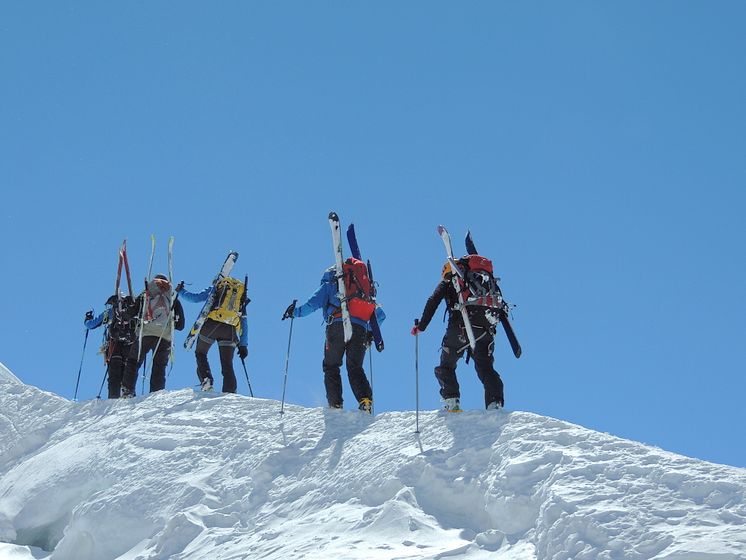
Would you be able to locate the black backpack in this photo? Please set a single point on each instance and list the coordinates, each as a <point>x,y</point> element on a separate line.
<point>122,320</point>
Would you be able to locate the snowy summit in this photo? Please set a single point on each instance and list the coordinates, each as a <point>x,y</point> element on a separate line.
<point>188,475</point>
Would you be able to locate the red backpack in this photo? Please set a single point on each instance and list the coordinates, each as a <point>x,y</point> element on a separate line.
<point>479,285</point>
<point>360,291</point>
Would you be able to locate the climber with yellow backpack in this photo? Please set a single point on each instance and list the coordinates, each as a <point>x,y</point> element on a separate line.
<point>225,324</point>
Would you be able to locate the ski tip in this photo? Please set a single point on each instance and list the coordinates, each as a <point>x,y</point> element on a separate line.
<point>441,229</point>
<point>350,228</point>
<point>333,216</point>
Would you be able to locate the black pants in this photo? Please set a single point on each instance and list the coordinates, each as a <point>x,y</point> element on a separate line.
<point>334,350</point>
<point>453,347</point>
<point>115,370</point>
<point>160,361</point>
<point>225,336</point>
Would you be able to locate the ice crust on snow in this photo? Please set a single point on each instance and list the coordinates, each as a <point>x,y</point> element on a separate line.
<point>186,475</point>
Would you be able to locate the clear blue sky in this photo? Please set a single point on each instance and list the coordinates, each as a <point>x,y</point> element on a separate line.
<point>596,150</point>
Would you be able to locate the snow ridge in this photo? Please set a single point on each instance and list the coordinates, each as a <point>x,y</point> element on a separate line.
<point>187,475</point>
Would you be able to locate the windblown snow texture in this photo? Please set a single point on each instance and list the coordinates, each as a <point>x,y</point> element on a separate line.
<point>183,475</point>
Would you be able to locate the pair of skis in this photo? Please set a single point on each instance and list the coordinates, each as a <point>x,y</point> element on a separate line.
<point>342,291</point>
<point>458,274</point>
<point>145,304</point>
<point>123,261</point>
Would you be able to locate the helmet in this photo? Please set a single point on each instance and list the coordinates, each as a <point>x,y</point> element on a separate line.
<point>447,271</point>
<point>113,299</point>
<point>160,282</point>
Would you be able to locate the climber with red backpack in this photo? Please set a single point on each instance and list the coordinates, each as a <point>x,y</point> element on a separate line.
<point>361,305</point>
<point>479,295</point>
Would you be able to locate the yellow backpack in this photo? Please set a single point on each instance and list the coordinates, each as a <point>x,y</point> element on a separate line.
<point>229,294</point>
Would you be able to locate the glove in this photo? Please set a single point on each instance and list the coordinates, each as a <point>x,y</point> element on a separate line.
<point>88,315</point>
<point>415,330</point>
<point>179,286</point>
<point>290,311</point>
<point>243,351</point>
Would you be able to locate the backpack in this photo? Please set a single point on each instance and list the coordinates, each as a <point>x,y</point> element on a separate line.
<point>482,294</point>
<point>361,293</point>
<point>479,284</point>
<point>228,302</point>
<point>158,300</point>
<point>121,321</point>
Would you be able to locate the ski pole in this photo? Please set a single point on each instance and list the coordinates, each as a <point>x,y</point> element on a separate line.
<point>246,372</point>
<point>80,369</point>
<point>106,374</point>
<point>287,361</point>
<point>417,377</point>
<point>370,368</point>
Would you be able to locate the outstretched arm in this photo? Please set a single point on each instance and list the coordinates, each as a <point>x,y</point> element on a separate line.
<point>195,297</point>
<point>432,304</point>
<point>317,300</point>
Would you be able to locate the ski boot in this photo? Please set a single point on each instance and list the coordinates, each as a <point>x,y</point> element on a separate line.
<point>366,405</point>
<point>452,405</point>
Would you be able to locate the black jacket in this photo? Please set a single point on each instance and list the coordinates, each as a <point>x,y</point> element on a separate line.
<point>443,291</point>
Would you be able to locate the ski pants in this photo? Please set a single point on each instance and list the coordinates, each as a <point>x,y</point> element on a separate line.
<point>160,361</point>
<point>453,347</point>
<point>334,350</point>
<point>115,369</point>
<point>225,336</point>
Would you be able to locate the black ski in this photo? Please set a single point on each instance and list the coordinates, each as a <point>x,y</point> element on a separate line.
<point>355,250</point>
<point>470,248</point>
<point>502,311</point>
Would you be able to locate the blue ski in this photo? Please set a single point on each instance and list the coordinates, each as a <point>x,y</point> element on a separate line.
<point>355,250</point>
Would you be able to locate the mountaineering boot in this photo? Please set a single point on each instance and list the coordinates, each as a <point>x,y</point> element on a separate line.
<point>206,384</point>
<point>452,405</point>
<point>494,405</point>
<point>335,406</point>
<point>126,393</point>
<point>366,405</point>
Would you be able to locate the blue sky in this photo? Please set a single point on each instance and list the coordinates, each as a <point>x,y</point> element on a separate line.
<point>595,151</point>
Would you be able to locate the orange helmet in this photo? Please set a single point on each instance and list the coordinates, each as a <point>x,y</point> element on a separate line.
<point>447,271</point>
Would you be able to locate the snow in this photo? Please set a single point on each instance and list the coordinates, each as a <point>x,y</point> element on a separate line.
<point>186,475</point>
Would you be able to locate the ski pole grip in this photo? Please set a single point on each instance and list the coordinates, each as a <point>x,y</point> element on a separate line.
<point>416,322</point>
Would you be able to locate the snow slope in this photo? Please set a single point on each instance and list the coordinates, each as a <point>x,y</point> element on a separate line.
<point>184,475</point>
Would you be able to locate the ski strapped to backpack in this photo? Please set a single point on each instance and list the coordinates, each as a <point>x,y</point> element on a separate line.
<point>225,270</point>
<point>340,276</point>
<point>480,290</point>
<point>371,295</point>
<point>446,238</point>
<point>120,325</point>
<point>143,311</point>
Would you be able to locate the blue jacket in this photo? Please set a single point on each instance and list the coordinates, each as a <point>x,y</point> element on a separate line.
<point>326,298</point>
<point>202,297</point>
